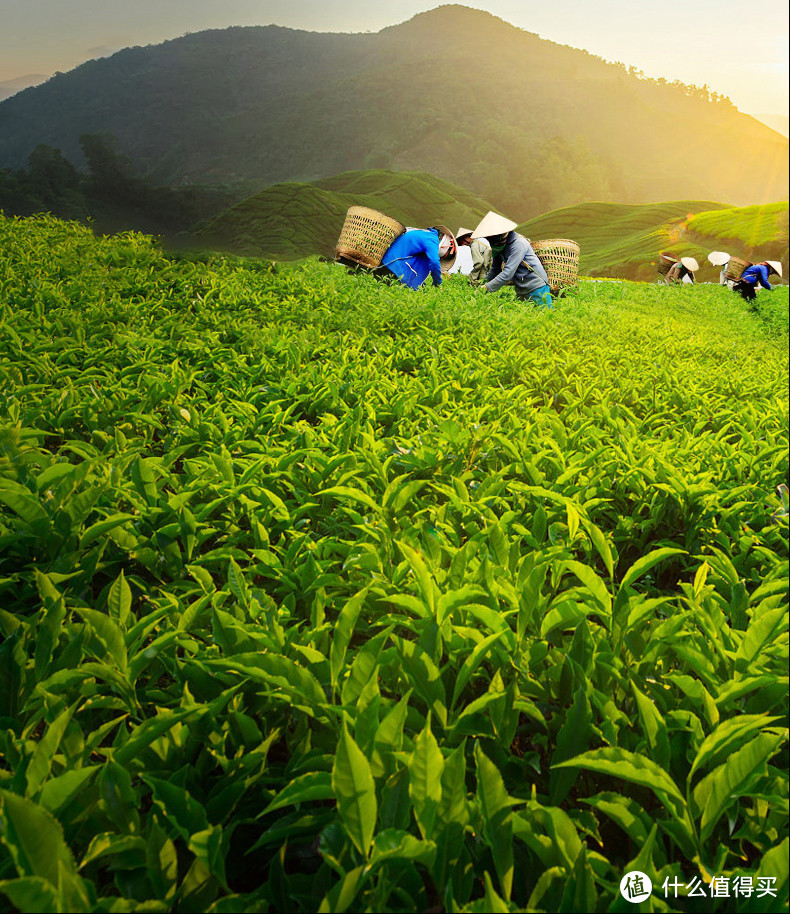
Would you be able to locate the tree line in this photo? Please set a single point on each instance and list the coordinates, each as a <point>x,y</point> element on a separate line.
<point>109,196</point>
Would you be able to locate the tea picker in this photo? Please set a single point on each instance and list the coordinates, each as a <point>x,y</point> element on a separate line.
<point>377,242</point>
<point>513,260</point>
<point>480,251</point>
<point>683,270</point>
<point>418,253</point>
<point>720,259</point>
<point>754,275</point>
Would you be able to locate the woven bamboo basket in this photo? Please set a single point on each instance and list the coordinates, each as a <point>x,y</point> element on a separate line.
<point>366,235</point>
<point>666,262</point>
<point>735,268</point>
<point>560,259</point>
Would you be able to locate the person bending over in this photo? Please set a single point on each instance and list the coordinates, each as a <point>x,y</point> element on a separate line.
<point>513,261</point>
<point>756,274</point>
<point>417,253</point>
<point>683,270</point>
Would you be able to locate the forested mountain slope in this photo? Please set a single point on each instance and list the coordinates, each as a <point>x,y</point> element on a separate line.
<point>546,125</point>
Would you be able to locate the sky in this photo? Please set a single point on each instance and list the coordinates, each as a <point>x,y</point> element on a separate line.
<point>737,49</point>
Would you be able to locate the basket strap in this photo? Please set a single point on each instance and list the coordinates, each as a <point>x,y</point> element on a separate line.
<point>396,260</point>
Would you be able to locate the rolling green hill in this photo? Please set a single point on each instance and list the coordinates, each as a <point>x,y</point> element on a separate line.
<point>557,127</point>
<point>755,232</point>
<point>624,241</point>
<point>289,221</point>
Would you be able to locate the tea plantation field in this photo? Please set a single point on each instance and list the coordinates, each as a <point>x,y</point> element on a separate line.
<point>318,594</point>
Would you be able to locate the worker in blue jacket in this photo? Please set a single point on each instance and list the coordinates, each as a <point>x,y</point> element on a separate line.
<point>415,254</point>
<point>514,261</point>
<point>757,273</point>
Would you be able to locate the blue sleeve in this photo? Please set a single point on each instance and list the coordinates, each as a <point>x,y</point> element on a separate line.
<point>764,274</point>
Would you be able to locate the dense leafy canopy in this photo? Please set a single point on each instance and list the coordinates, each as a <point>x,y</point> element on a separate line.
<point>319,594</point>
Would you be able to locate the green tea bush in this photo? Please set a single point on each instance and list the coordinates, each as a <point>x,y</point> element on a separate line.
<point>322,594</point>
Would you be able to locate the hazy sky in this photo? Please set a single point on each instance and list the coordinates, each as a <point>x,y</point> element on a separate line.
<point>738,49</point>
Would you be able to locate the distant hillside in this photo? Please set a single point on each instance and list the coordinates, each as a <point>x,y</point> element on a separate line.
<point>624,241</point>
<point>754,232</point>
<point>541,125</point>
<point>288,221</point>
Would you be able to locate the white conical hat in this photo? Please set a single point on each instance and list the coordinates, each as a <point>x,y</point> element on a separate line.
<point>493,224</point>
<point>776,265</point>
<point>718,258</point>
<point>689,263</point>
<point>461,232</point>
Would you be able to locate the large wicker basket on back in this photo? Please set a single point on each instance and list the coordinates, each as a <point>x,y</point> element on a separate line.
<point>735,268</point>
<point>560,259</point>
<point>666,262</point>
<point>366,235</point>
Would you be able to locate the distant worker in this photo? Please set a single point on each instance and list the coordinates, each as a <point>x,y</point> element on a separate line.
<point>480,250</point>
<point>757,273</point>
<point>683,270</point>
<point>513,261</point>
<point>416,253</point>
<point>720,259</point>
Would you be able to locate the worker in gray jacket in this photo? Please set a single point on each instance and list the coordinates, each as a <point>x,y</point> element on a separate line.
<point>480,250</point>
<point>513,261</point>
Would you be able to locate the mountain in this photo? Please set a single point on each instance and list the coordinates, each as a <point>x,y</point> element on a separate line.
<point>778,122</point>
<point>9,87</point>
<point>294,220</point>
<point>624,241</point>
<point>529,124</point>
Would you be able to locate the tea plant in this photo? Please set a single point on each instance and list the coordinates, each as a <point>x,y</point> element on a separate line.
<point>320,594</point>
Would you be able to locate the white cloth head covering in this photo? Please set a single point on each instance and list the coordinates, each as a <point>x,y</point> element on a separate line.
<point>718,258</point>
<point>493,224</point>
<point>776,265</point>
<point>689,263</point>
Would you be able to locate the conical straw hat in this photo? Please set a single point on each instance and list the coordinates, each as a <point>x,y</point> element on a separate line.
<point>461,232</point>
<point>689,263</point>
<point>718,258</point>
<point>493,224</point>
<point>776,265</point>
<point>448,261</point>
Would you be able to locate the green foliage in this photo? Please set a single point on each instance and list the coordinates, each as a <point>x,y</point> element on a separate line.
<point>323,594</point>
